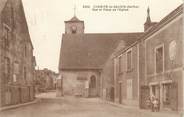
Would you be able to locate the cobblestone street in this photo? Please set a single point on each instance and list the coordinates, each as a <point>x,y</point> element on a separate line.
<point>50,106</point>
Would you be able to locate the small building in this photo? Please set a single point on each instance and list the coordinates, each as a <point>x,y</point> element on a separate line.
<point>17,62</point>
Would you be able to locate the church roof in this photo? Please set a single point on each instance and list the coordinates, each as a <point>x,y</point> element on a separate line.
<point>74,18</point>
<point>90,51</point>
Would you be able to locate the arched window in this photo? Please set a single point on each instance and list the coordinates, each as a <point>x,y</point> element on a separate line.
<point>93,82</point>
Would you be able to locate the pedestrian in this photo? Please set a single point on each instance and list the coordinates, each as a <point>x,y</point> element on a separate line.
<point>156,105</point>
<point>152,98</point>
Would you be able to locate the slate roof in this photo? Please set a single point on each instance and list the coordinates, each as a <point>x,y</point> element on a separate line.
<point>158,25</point>
<point>90,51</point>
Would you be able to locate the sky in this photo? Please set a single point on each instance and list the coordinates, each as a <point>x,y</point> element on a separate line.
<point>46,18</point>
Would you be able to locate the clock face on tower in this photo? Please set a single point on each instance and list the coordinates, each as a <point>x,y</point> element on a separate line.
<point>74,29</point>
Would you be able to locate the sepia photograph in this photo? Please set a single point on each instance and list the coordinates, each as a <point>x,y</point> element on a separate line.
<point>91,58</point>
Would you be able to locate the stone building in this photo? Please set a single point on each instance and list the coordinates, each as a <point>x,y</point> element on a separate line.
<point>16,55</point>
<point>152,65</point>
<point>83,56</point>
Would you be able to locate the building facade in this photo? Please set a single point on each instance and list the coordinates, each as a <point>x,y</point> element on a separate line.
<point>126,78</point>
<point>163,55</point>
<point>153,65</point>
<point>16,55</point>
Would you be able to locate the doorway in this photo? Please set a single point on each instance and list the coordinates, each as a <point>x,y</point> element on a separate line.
<point>92,86</point>
<point>166,89</point>
<point>129,89</point>
<point>155,90</point>
<point>120,93</point>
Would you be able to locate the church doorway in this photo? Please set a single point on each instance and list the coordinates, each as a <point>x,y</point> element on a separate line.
<point>92,86</point>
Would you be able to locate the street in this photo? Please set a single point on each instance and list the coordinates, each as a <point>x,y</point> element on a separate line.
<point>51,106</point>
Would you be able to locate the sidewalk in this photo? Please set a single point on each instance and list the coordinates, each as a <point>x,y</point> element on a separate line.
<point>18,105</point>
<point>145,113</point>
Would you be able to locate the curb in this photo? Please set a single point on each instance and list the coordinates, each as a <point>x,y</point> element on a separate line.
<point>19,105</point>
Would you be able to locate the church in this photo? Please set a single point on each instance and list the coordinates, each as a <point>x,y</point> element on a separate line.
<point>83,55</point>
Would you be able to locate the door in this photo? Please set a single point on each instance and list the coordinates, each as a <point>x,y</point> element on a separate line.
<point>120,93</point>
<point>20,95</point>
<point>173,93</point>
<point>92,87</point>
<point>112,93</point>
<point>129,89</point>
<point>144,96</point>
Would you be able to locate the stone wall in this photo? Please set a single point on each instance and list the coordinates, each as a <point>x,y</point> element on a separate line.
<point>76,82</point>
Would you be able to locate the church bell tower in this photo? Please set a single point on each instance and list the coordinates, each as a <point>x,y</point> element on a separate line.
<point>74,25</point>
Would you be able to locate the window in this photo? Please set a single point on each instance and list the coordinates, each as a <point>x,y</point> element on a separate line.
<point>159,59</point>
<point>120,69</point>
<point>16,68</point>
<point>25,74</point>
<point>7,69</point>
<point>6,34</point>
<point>129,60</point>
<point>15,71</point>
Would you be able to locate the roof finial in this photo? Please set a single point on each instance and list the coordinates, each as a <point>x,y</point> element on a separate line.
<point>148,10</point>
<point>74,10</point>
<point>148,15</point>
